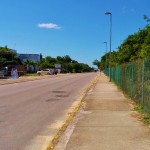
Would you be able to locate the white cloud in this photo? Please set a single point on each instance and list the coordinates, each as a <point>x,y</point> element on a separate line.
<point>49,25</point>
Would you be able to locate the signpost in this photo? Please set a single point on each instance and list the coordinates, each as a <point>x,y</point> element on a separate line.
<point>57,66</point>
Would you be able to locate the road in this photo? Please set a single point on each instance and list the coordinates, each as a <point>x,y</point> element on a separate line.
<point>30,111</point>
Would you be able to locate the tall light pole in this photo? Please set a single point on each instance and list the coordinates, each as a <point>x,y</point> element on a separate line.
<point>109,13</point>
<point>106,56</point>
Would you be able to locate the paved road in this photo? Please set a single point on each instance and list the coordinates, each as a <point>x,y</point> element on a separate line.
<point>30,111</point>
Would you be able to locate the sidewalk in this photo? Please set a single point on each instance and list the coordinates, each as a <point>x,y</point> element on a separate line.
<point>108,122</point>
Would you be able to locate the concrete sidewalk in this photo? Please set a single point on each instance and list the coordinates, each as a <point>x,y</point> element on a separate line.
<point>108,122</point>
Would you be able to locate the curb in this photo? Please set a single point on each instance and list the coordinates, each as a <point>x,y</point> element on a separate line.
<point>71,115</point>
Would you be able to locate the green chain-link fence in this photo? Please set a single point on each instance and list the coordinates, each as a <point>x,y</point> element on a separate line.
<point>134,80</point>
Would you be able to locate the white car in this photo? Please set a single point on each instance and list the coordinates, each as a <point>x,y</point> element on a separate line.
<point>44,72</point>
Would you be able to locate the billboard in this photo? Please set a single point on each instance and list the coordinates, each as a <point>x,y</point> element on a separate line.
<point>57,66</point>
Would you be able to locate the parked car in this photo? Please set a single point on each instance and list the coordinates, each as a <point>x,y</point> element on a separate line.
<point>44,72</point>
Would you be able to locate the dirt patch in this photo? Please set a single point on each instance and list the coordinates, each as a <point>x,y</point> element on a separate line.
<point>136,115</point>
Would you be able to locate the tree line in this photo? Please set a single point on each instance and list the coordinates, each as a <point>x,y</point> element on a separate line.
<point>136,46</point>
<point>67,63</point>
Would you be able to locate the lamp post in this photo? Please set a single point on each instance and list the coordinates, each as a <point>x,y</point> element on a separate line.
<point>109,13</point>
<point>106,56</point>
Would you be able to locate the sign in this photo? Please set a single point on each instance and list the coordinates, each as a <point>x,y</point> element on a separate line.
<point>57,66</point>
<point>14,73</point>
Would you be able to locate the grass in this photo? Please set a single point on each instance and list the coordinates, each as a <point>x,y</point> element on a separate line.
<point>31,74</point>
<point>145,117</point>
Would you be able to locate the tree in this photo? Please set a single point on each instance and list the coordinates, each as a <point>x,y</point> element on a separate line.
<point>59,59</point>
<point>50,59</point>
<point>135,46</point>
<point>67,59</point>
<point>146,18</point>
<point>96,63</point>
<point>8,55</point>
<point>28,63</point>
<point>68,65</point>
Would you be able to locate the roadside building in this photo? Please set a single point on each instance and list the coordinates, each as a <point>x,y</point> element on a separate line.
<point>28,58</point>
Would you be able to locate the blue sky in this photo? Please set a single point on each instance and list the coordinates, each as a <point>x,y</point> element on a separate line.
<point>77,28</point>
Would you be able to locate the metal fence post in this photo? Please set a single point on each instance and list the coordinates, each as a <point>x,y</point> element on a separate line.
<point>143,69</point>
<point>133,83</point>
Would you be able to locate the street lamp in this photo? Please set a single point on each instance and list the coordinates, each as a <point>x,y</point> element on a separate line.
<point>109,13</point>
<point>106,56</point>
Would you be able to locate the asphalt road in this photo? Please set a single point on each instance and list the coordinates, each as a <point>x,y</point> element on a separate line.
<point>30,111</point>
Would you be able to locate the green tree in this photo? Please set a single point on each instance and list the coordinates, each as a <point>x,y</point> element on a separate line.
<point>68,65</point>
<point>134,47</point>
<point>96,63</point>
<point>146,18</point>
<point>8,55</point>
<point>67,59</point>
<point>28,63</point>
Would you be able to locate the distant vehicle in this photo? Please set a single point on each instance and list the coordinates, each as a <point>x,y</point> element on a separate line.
<point>44,72</point>
<point>47,72</point>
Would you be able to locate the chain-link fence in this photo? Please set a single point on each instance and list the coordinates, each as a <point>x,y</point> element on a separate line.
<point>134,80</point>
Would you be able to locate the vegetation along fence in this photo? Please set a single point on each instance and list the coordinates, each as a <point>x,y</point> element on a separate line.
<point>134,80</point>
